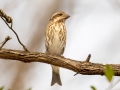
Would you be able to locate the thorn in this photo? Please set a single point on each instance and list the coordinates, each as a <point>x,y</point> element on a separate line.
<point>76,74</point>
<point>88,58</point>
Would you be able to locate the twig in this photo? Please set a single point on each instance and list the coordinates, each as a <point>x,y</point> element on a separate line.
<point>3,43</point>
<point>8,19</point>
<point>112,85</point>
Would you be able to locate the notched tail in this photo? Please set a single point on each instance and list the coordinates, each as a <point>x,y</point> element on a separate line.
<point>56,79</point>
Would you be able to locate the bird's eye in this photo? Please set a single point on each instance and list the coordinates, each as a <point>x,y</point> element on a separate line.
<point>60,14</point>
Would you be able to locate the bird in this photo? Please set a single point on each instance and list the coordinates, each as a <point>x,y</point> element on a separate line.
<point>55,41</point>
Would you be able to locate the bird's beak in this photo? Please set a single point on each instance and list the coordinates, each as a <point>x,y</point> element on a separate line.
<point>67,16</point>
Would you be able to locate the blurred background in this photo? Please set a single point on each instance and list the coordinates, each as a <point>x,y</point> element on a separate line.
<point>93,28</point>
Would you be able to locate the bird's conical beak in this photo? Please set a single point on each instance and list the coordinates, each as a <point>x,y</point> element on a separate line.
<point>67,16</point>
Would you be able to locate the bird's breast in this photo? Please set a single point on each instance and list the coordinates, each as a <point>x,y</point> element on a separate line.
<point>58,43</point>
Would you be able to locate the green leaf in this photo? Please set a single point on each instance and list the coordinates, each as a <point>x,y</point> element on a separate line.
<point>109,73</point>
<point>93,88</point>
<point>1,88</point>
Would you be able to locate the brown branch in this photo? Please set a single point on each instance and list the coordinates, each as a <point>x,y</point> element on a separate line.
<point>86,68</point>
<point>87,60</point>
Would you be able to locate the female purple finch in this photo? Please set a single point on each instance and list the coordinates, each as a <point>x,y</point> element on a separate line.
<point>56,41</point>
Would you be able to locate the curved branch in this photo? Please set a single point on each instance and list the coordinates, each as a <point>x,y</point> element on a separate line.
<point>86,68</point>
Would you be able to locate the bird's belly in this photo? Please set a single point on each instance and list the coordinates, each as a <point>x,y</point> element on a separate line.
<point>56,46</point>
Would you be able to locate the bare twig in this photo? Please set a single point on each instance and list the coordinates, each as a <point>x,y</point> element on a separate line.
<point>3,43</point>
<point>112,85</point>
<point>7,20</point>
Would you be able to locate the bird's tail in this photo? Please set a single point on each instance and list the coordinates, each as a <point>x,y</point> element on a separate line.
<point>55,76</point>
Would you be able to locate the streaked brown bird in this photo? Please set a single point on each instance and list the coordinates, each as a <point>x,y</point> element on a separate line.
<point>55,41</point>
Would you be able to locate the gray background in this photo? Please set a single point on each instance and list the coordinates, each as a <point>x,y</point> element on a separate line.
<point>93,28</point>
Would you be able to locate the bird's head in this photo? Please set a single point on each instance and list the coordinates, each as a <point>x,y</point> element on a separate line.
<point>59,16</point>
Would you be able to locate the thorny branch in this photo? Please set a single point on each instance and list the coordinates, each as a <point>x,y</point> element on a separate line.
<point>8,20</point>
